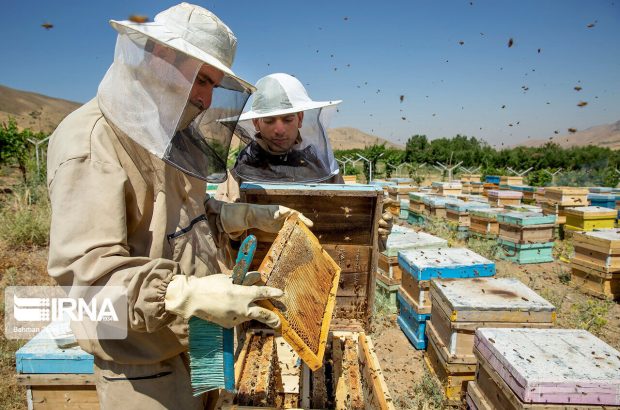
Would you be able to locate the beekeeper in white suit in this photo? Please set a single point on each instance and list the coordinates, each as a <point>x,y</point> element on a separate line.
<point>285,141</point>
<point>126,178</point>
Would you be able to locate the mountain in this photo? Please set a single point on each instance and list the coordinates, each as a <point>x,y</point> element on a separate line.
<point>350,138</point>
<point>35,111</point>
<point>607,135</point>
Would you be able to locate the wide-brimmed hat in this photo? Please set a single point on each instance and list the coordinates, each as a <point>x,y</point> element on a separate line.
<point>281,94</point>
<point>194,31</point>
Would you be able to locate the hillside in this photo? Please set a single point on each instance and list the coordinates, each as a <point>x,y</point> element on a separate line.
<point>350,138</point>
<point>35,111</point>
<point>607,135</point>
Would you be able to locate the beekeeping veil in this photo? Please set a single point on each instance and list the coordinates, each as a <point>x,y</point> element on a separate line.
<point>310,159</point>
<point>145,92</point>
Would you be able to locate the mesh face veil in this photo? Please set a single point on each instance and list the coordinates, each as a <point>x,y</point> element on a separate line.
<point>309,158</point>
<point>146,94</point>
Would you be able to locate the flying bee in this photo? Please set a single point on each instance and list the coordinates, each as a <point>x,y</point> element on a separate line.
<point>136,18</point>
<point>47,26</point>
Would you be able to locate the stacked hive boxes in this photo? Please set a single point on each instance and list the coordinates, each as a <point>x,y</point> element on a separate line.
<point>417,208</point>
<point>398,194</point>
<point>548,369</point>
<point>404,209</point>
<point>604,200</point>
<point>459,218</point>
<point>483,222</point>
<point>400,180</point>
<point>524,208</point>
<point>435,206</point>
<point>510,180</point>
<point>467,179</point>
<point>476,188</point>
<point>528,192</point>
<point>557,199</point>
<point>448,188</point>
<point>588,218</point>
<point>461,306</point>
<point>526,237</point>
<point>539,194</point>
<point>389,274</point>
<point>501,198</point>
<point>419,267</point>
<point>596,262</point>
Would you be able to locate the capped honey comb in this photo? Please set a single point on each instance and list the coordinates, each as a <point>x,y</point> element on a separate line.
<point>298,264</point>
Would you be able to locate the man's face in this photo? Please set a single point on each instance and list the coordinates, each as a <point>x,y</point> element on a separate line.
<point>279,133</point>
<point>206,80</point>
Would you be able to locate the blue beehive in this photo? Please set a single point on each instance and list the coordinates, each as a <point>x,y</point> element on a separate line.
<point>525,218</point>
<point>412,323</point>
<point>524,253</point>
<point>492,179</point>
<point>426,264</point>
<point>41,355</point>
<point>600,190</point>
<point>603,200</point>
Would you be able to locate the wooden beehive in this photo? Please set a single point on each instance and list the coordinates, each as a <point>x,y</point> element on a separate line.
<point>416,202</point>
<point>350,179</point>
<point>544,369</point>
<point>567,196</point>
<point>483,222</point>
<point>470,177</point>
<point>596,263</point>
<point>500,198</point>
<point>510,180</point>
<point>399,192</point>
<point>460,306</point>
<point>448,188</point>
<point>345,221</point>
<point>269,375</point>
<point>526,227</point>
<point>297,263</point>
<point>588,218</point>
<point>55,377</point>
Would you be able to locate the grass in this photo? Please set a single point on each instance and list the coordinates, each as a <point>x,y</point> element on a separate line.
<point>590,315</point>
<point>427,395</point>
<point>24,235</point>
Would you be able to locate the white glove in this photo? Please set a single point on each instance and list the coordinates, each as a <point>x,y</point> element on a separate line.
<point>239,217</point>
<point>216,299</point>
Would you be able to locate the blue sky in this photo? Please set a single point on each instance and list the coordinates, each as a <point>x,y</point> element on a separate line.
<point>369,54</point>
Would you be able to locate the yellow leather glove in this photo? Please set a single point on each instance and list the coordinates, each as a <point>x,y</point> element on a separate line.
<point>236,218</point>
<point>216,299</point>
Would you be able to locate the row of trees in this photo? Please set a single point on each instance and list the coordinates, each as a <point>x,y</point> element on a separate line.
<point>581,166</point>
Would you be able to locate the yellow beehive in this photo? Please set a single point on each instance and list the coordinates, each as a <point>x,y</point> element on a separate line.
<point>588,218</point>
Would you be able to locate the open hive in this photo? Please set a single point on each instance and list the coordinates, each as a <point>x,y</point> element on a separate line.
<point>345,221</point>
<point>297,264</point>
<point>549,369</point>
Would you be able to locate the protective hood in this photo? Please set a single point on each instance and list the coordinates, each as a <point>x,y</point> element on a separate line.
<point>310,157</point>
<point>146,92</point>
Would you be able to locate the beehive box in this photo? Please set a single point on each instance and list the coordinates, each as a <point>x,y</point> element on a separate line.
<point>492,179</point>
<point>400,180</point>
<point>268,375</point>
<point>600,283</point>
<point>476,188</point>
<point>404,209</point>
<point>528,191</point>
<point>526,228</point>
<point>403,238</point>
<point>385,296</point>
<point>483,222</point>
<point>600,190</point>
<point>416,217</point>
<point>511,180</point>
<point>416,202</point>
<point>459,212</point>
<point>448,188</point>
<point>588,218</point>
<point>599,248</point>
<point>470,177</point>
<point>436,205</point>
<point>350,179</point>
<point>501,198</point>
<point>524,253</point>
<point>544,369</point>
<point>345,222</point>
<point>460,306</point>
<point>603,200</point>
<point>421,265</point>
<point>399,192</point>
<point>567,196</point>
<point>550,208</point>
<point>411,322</point>
<point>56,377</point>
<point>524,208</point>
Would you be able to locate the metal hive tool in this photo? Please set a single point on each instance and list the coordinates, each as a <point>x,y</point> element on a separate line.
<point>298,264</point>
